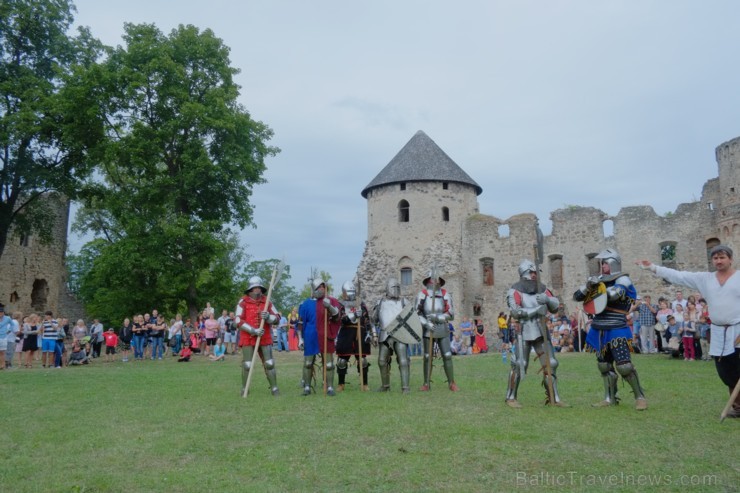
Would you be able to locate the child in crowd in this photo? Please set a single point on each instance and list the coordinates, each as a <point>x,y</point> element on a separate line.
<point>219,350</point>
<point>703,328</point>
<point>671,334</point>
<point>111,341</point>
<point>185,353</point>
<point>687,337</point>
<point>78,356</point>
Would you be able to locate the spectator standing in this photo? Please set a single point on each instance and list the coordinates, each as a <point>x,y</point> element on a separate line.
<point>96,336</point>
<point>687,336</point>
<point>292,335</point>
<point>466,332</point>
<point>503,327</point>
<point>222,324</point>
<point>646,312</point>
<point>139,336</point>
<point>680,300</point>
<point>176,333</point>
<point>158,328</point>
<point>6,331</point>
<point>480,337</point>
<point>13,341</point>
<point>49,332</point>
<point>30,331</point>
<point>662,318</point>
<point>127,334</point>
<point>111,341</point>
<point>282,333</point>
<point>211,332</point>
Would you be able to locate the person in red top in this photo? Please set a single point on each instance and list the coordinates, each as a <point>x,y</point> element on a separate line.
<point>111,341</point>
<point>250,312</point>
<point>185,353</point>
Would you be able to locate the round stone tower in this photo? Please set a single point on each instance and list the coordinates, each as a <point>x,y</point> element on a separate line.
<point>416,209</point>
<point>728,212</point>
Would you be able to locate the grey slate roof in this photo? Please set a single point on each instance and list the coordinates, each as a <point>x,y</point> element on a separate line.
<point>421,159</point>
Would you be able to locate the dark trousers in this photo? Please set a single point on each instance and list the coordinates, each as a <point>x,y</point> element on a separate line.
<point>728,368</point>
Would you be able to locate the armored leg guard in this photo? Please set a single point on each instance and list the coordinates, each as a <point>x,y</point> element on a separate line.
<point>341,370</point>
<point>365,364</point>
<point>403,366</point>
<point>270,370</point>
<point>247,354</point>
<point>426,369</point>
<point>628,372</point>
<point>384,360</point>
<point>307,374</point>
<point>329,361</point>
<point>513,387</point>
<point>610,385</point>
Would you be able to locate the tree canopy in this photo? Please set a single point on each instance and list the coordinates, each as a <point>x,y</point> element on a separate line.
<point>47,125</point>
<point>178,164</point>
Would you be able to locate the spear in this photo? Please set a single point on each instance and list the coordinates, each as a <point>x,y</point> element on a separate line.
<point>326,337</point>
<point>276,272</point>
<point>431,335</point>
<point>359,330</point>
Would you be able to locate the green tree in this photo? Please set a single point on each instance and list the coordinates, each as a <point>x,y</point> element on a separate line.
<point>47,124</point>
<point>284,296</point>
<point>179,164</point>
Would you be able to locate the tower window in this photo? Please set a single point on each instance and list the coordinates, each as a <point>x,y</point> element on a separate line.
<point>403,187</point>
<point>406,276</point>
<point>445,214</point>
<point>403,211</point>
<point>445,186</point>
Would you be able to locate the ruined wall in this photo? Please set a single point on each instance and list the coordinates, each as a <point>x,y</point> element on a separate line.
<point>33,275</point>
<point>577,235</point>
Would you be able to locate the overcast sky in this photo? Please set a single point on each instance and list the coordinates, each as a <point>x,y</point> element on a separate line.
<point>592,103</point>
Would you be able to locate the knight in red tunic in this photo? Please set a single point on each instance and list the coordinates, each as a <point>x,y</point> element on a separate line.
<point>250,312</point>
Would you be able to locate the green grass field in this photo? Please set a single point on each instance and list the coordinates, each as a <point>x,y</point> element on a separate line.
<point>168,426</point>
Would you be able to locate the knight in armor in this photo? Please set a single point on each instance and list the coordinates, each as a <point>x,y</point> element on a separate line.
<point>609,336</point>
<point>385,316</point>
<point>353,316</point>
<point>435,310</point>
<point>250,311</point>
<point>529,302</point>
<point>314,313</point>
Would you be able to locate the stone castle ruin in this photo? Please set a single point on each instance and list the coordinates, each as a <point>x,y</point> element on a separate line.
<point>422,209</point>
<point>33,275</point>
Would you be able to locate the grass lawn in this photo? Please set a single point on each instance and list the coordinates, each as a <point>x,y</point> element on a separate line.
<point>168,426</point>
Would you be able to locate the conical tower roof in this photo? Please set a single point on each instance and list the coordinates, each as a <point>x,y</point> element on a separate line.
<point>421,159</point>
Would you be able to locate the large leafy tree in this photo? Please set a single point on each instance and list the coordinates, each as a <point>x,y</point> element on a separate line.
<point>47,124</point>
<point>178,166</point>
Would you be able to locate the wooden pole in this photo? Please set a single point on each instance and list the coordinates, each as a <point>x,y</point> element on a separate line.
<point>326,339</point>
<point>733,396</point>
<point>259,338</point>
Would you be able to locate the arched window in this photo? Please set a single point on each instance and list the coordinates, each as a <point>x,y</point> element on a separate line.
<point>406,276</point>
<point>39,294</point>
<point>486,265</point>
<point>403,211</point>
<point>445,214</point>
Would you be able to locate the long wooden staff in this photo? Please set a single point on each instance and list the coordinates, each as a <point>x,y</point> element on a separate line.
<point>733,396</point>
<point>538,258</point>
<point>326,338</point>
<point>431,335</point>
<point>359,330</point>
<point>262,326</point>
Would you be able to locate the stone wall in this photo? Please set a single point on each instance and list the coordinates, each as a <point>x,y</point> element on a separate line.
<point>465,244</point>
<point>33,275</point>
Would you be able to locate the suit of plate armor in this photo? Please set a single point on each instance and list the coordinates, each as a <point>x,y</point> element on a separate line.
<point>610,336</point>
<point>384,314</point>
<point>249,311</point>
<point>529,302</point>
<point>434,306</point>
<point>351,316</point>
<point>313,313</point>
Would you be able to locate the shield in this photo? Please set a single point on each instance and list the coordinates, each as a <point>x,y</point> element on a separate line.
<point>406,327</point>
<point>595,300</point>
